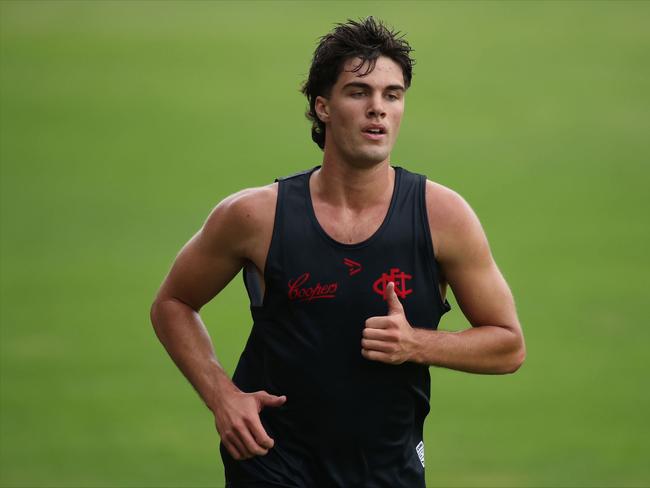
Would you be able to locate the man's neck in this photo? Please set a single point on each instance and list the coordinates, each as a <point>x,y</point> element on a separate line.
<point>343,185</point>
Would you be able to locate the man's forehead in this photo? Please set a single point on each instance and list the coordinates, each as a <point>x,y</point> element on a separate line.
<point>356,69</point>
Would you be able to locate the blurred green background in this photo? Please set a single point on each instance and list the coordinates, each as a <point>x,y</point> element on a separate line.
<point>123,123</point>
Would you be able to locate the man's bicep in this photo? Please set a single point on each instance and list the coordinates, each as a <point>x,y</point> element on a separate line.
<point>483,294</point>
<point>205,265</point>
<point>469,268</point>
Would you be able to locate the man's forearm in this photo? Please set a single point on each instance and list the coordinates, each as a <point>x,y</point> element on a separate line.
<point>487,349</point>
<point>181,330</point>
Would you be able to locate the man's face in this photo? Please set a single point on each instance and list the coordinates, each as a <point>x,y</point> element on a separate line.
<point>363,113</point>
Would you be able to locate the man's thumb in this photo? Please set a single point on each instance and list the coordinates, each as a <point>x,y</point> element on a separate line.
<point>394,305</point>
<point>268,400</point>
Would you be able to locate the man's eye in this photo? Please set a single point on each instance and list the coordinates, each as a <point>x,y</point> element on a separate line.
<point>357,94</point>
<point>392,96</point>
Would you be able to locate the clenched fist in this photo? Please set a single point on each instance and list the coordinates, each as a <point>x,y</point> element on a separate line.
<point>238,423</point>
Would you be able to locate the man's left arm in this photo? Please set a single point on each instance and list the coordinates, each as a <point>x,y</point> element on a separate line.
<point>494,344</point>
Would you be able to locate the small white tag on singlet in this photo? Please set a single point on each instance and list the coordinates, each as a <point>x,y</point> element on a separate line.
<point>420,450</point>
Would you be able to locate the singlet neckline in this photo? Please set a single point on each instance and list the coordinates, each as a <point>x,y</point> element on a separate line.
<point>373,236</point>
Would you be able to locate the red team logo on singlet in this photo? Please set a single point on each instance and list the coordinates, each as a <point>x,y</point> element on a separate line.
<point>300,293</point>
<point>396,276</point>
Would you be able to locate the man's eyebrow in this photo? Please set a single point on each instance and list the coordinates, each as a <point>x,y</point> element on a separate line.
<point>366,86</point>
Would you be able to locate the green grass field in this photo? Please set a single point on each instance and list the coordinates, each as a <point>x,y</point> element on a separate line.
<point>123,123</point>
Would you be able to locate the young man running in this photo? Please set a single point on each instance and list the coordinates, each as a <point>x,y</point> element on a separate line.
<point>346,266</point>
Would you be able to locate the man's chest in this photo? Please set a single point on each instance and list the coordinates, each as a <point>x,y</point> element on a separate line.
<point>350,226</point>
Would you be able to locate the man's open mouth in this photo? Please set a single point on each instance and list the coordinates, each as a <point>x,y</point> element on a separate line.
<point>374,130</point>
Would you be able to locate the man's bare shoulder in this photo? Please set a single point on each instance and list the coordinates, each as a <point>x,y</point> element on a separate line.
<point>248,206</point>
<point>243,217</point>
<point>447,210</point>
<point>455,228</point>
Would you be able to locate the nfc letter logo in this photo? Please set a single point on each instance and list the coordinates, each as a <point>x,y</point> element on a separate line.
<point>396,276</point>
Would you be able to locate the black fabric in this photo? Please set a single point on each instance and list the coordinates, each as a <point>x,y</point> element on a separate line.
<point>348,422</point>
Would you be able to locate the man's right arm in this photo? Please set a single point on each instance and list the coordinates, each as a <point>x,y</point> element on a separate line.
<point>237,230</point>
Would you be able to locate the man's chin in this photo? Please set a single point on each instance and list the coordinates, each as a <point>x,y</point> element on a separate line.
<point>367,159</point>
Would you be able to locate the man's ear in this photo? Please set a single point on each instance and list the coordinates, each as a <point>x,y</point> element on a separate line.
<point>322,109</point>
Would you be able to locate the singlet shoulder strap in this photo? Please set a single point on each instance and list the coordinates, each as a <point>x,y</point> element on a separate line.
<point>289,214</point>
<point>296,175</point>
<point>436,273</point>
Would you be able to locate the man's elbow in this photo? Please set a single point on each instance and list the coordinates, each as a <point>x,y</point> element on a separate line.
<point>515,363</point>
<point>517,357</point>
<point>167,310</point>
<point>161,310</point>
<point>154,314</point>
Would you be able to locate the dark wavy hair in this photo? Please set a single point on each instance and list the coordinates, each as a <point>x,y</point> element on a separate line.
<point>367,39</point>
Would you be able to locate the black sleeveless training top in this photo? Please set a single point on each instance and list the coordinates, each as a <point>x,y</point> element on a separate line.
<point>348,421</point>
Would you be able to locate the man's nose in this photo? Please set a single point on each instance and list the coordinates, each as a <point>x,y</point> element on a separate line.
<point>376,107</point>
